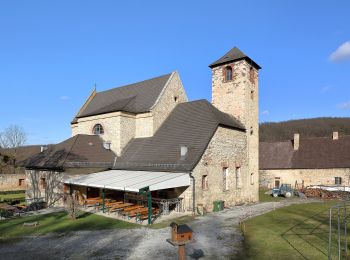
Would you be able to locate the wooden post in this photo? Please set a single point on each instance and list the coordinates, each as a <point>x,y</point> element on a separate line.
<point>181,251</point>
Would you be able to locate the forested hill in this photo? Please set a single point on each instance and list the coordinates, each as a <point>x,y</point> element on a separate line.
<point>314,127</point>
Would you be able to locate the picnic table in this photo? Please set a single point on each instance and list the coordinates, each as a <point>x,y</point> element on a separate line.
<point>134,213</point>
<point>144,215</point>
<point>119,207</point>
<point>110,204</point>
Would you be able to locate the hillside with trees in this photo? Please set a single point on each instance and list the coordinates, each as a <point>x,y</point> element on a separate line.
<point>314,127</point>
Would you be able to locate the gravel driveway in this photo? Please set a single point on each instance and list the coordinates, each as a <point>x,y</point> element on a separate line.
<point>216,236</point>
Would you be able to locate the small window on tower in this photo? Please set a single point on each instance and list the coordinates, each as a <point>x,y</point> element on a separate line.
<point>176,99</point>
<point>228,73</point>
<point>252,94</point>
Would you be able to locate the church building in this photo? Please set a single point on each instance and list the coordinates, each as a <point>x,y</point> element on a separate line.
<point>147,137</point>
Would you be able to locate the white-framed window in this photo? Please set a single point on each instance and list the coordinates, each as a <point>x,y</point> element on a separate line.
<point>98,130</point>
<point>225,178</point>
<point>238,178</point>
<point>205,182</point>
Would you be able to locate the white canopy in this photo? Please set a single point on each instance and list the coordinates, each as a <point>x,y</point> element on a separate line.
<point>132,180</point>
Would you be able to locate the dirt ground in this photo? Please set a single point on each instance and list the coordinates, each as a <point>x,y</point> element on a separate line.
<point>216,235</point>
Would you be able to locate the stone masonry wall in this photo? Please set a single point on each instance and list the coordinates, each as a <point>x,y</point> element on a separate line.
<point>308,176</point>
<point>10,182</point>
<point>166,103</point>
<point>118,127</point>
<point>144,125</point>
<point>226,149</point>
<point>239,97</point>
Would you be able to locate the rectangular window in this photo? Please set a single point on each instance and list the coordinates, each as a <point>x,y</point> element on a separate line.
<point>43,183</point>
<point>21,182</point>
<point>225,178</point>
<point>204,182</point>
<point>238,178</point>
<point>252,178</point>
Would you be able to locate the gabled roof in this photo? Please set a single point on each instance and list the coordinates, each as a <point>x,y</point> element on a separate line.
<point>313,153</point>
<point>134,98</point>
<point>77,151</point>
<point>190,124</point>
<point>234,54</point>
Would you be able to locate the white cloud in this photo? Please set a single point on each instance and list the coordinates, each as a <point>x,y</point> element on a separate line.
<point>342,53</point>
<point>345,105</point>
<point>265,112</point>
<point>64,98</point>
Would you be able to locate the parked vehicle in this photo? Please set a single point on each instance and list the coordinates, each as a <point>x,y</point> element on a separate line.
<point>284,190</point>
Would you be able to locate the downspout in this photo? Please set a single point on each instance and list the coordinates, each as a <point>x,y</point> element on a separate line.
<point>193,195</point>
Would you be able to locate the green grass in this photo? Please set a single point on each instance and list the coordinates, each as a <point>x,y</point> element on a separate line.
<point>293,232</point>
<point>14,196</point>
<point>58,222</point>
<point>267,197</point>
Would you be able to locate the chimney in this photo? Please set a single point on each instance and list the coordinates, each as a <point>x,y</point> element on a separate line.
<point>183,152</point>
<point>335,135</point>
<point>296,141</point>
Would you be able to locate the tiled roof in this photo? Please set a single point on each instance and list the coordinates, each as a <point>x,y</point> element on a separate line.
<point>313,153</point>
<point>77,151</point>
<point>134,98</point>
<point>190,124</point>
<point>234,54</point>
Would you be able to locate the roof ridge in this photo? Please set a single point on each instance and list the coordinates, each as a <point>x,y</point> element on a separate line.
<point>138,82</point>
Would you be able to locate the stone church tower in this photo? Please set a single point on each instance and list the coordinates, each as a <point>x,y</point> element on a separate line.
<point>235,91</point>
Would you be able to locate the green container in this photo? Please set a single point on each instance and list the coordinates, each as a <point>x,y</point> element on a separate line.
<point>216,204</point>
<point>222,204</point>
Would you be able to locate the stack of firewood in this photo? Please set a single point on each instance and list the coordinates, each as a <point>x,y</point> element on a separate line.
<point>325,194</point>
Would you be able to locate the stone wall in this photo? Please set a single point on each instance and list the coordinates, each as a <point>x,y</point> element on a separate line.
<point>119,128</point>
<point>239,97</point>
<point>173,94</point>
<point>144,125</point>
<point>12,182</point>
<point>228,148</point>
<point>48,185</point>
<point>306,176</point>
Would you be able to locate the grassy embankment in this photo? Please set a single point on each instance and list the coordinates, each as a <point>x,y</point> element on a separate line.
<point>295,232</point>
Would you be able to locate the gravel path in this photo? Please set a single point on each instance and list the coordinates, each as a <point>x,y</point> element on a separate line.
<point>216,236</point>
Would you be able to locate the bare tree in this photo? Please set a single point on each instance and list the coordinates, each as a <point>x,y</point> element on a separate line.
<point>72,206</point>
<point>12,137</point>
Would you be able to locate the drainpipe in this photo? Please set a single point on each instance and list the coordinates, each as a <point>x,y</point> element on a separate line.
<point>193,195</point>
<point>103,200</point>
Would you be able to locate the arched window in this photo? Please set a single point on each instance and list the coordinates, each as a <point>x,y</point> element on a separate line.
<point>228,73</point>
<point>98,130</point>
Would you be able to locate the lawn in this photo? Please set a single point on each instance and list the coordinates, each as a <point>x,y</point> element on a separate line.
<point>60,223</point>
<point>12,196</point>
<point>293,232</point>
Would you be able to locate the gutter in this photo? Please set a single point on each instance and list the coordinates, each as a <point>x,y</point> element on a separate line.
<point>193,194</point>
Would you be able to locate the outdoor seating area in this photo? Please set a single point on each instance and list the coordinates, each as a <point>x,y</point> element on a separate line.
<point>134,211</point>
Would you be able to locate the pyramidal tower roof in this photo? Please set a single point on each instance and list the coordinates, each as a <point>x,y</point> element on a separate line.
<point>234,54</point>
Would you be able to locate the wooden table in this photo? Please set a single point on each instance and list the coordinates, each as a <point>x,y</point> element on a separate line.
<point>119,207</point>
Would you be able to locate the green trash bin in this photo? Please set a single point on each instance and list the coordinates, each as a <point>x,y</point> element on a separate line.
<point>222,204</point>
<point>216,205</point>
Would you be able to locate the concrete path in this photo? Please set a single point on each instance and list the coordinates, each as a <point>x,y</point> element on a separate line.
<point>216,236</point>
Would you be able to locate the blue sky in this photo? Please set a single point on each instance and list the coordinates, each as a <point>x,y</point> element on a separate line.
<point>53,52</point>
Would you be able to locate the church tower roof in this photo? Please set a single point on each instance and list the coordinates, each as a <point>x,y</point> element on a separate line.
<point>234,54</point>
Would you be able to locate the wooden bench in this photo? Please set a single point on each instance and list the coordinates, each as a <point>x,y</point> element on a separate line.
<point>143,216</point>
<point>119,207</point>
